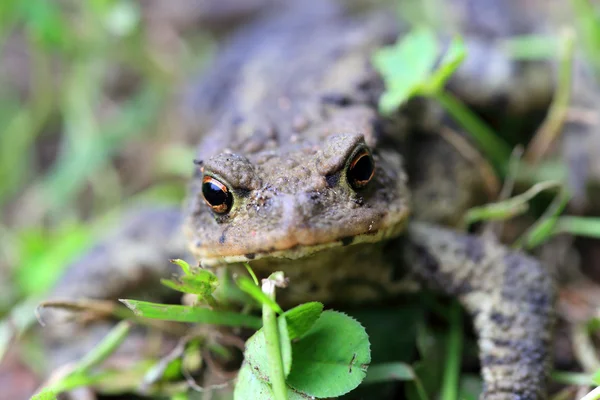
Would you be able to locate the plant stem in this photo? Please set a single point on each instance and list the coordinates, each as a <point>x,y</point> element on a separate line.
<point>273,346</point>
<point>593,395</point>
<point>496,150</point>
<point>580,226</point>
<point>105,348</point>
<point>572,378</point>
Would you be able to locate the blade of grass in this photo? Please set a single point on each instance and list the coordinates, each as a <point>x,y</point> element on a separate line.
<point>496,150</point>
<point>551,127</point>
<point>587,22</point>
<point>15,146</point>
<point>45,394</point>
<point>170,312</point>
<point>252,274</point>
<point>528,175</point>
<point>78,376</point>
<point>508,208</point>
<point>531,47</point>
<point>108,308</point>
<point>248,286</point>
<point>105,348</point>
<point>107,381</point>
<point>543,228</point>
<point>580,226</point>
<point>450,385</point>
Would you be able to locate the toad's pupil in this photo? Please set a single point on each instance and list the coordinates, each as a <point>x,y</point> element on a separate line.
<point>361,170</point>
<point>216,195</point>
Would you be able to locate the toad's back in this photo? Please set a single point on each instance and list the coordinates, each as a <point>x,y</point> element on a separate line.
<point>281,75</point>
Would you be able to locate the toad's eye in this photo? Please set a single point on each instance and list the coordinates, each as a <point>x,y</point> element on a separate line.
<point>361,169</point>
<point>216,195</point>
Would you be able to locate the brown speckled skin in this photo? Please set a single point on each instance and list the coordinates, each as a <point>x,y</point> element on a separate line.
<point>509,295</point>
<point>286,102</point>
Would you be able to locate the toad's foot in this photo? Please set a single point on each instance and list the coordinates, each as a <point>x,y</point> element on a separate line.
<point>510,297</point>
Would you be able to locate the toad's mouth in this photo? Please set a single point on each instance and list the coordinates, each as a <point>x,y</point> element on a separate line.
<point>301,251</point>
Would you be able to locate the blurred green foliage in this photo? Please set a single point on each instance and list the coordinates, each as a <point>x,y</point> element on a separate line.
<point>84,86</point>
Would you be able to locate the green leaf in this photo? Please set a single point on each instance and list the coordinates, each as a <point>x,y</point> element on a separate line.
<point>185,267</point>
<point>169,312</point>
<point>249,387</point>
<point>46,394</point>
<point>452,59</point>
<point>405,67</point>
<point>183,287</point>
<point>291,325</point>
<point>301,318</point>
<point>248,286</point>
<point>200,282</point>
<point>407,70</point>
<point>331,359</point>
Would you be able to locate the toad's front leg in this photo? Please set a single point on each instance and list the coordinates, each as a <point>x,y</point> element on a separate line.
<point>510,296</point>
